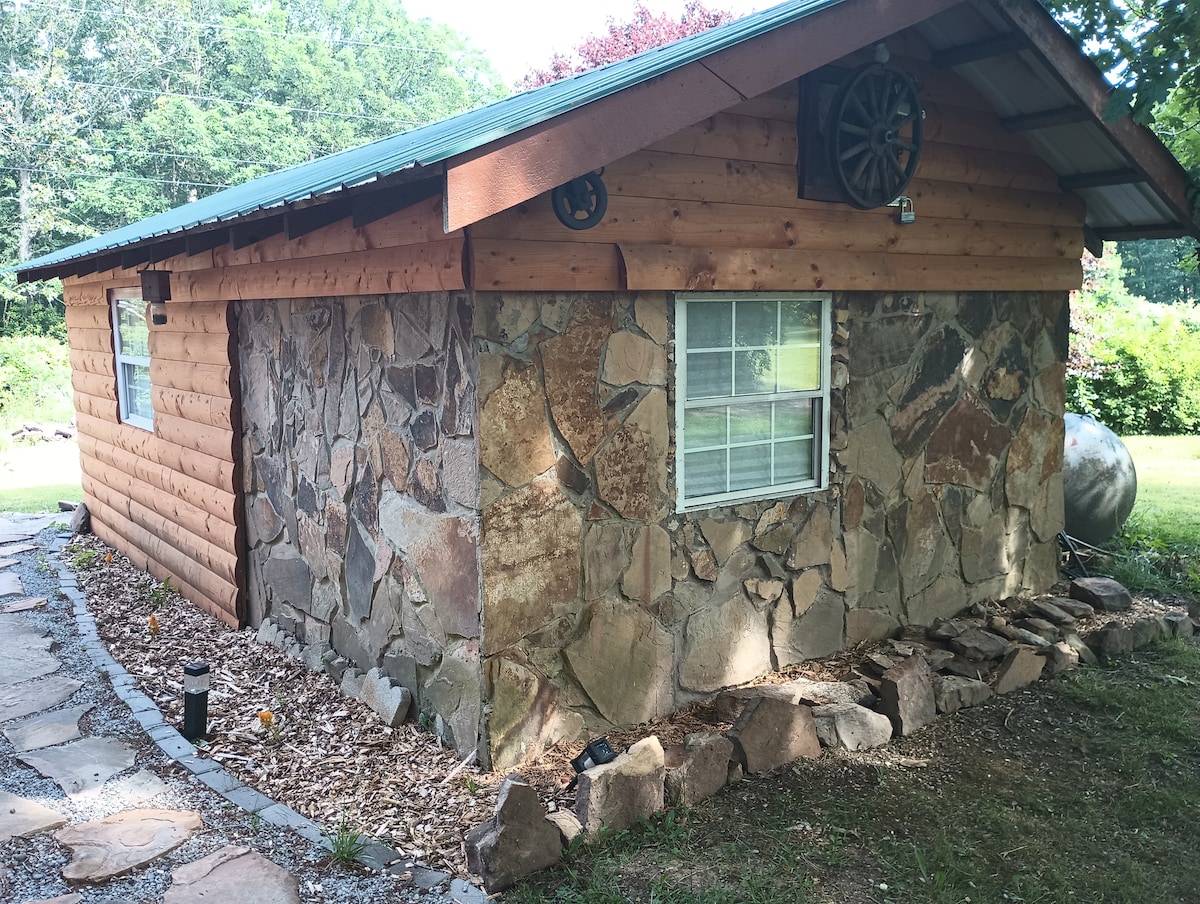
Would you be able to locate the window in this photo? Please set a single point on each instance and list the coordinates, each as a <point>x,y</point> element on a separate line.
<point>752,396</point>
<point>131,341</point>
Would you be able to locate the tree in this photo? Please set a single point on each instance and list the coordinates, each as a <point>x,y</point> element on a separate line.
<point>1159,269</point>
<point>111,112</point>
<point>644,31</point>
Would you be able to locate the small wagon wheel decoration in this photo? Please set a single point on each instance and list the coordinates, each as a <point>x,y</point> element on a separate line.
<point>875,135</point>
<point>582,202</point>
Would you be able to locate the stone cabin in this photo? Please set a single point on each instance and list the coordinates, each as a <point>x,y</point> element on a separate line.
<point>577,408</point>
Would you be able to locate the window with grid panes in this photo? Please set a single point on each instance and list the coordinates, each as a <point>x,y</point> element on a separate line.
<point>752,395</point>
<point>131,343</point>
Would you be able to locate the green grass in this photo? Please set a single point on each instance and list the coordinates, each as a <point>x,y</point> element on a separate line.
<point>1159,550</point>
<point>1083,788</point>
<point>34,477</point>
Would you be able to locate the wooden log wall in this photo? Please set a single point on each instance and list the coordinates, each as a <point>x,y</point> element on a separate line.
<point>170,498</point>
<point>715,207</point>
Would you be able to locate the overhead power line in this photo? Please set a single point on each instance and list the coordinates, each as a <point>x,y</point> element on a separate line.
<point>91,148</point>
<point>82,175</point>
<point>245,103</point>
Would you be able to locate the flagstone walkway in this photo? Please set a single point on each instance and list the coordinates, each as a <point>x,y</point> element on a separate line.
<point>96,797</point>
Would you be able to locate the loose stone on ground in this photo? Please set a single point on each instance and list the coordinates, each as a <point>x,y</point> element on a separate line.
<point>82,765</point>
<point>228,875</point>
<point>19,817</point>
<point>18,700</point>
<point>110,846</point>
<point>46,730</point>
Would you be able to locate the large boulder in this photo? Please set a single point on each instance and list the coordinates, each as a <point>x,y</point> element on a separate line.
<point>516,841</point>
<point>771,733</point>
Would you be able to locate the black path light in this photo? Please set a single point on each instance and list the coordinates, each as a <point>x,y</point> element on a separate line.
<point>195,700</point>
<point>596,753</point>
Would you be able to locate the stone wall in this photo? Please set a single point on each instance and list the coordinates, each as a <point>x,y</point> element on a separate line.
<point>603,607</point>
<point>362,487</point>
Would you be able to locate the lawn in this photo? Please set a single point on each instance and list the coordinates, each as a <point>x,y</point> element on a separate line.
<point>1168,472</point>
<point>34,477</point>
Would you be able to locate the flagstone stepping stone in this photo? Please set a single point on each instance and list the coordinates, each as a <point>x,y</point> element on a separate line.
<point>26,650</point>
<point>134,790</point>
<point>8,563</point>
<point>20,817</point>
<point>82,765</point>
<point>16,549</point>
<point>73,898</point>
<point>33,602</point>
<point>225,875</point>
<point>10,584</point>
<point>46,730</point>
<point>116,844</point>
<point>19,700</point>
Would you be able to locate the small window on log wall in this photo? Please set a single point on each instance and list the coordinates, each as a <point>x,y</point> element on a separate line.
<point>131,343</point>
<point>751,395</point>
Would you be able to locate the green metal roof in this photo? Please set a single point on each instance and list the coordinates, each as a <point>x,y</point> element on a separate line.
<point>435,143</point>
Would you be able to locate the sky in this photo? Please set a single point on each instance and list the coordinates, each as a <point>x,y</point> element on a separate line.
<point>520,34</point>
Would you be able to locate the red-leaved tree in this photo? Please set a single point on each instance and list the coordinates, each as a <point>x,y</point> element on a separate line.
<point>619,40</point>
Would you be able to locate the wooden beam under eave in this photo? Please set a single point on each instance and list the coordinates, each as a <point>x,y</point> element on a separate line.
<point>790,51</point>
<point>1002,45</point>
<point>1046,119</point>
<point>1079,76</point>
<point>514,169</point>
<point>501,175</point>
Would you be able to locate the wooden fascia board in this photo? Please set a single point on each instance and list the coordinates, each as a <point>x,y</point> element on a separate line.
<point>1079,76</point>
<point>507,172</point>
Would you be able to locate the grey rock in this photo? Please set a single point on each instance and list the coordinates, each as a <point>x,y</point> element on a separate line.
<point>729,705</point>
<point>1101,593</point>
<point>697,769</point>
<point>906,695</point>
<point>335,665</point>
<point>314,656</point>
<point>1021,667</point>
<point>1114,639</point>
<point>81,520</point>
<point>1039,626</point>
<point>851,726</point>
<point>21,700</point>
<point>979,645</point>
<point>1021,635</point>
<point>1074,608</point>
<point>391,701</point>
<point>82,765</point>
<point>771,733</point>
<point>352,683</point>
<point>946,629</point>
<point>1180,624</point>
<point>568,825</point>
<point>954,692</point>
<point>517,841</point>
<point>617,794</point>
<point>1052,613</point>
<point>1147,631</point>
<point>1075,642</point>
<point>1061,657</point>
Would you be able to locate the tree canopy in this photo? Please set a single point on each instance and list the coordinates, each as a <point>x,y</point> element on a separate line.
<point>111,112</point>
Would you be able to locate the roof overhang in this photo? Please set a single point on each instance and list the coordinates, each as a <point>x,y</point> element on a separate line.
<point>491,159</point>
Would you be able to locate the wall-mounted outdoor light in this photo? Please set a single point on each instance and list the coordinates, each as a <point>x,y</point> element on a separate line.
<point>195,700</point>
<point>156,290</point>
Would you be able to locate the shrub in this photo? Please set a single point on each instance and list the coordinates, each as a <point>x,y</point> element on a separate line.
<point>35,381</point>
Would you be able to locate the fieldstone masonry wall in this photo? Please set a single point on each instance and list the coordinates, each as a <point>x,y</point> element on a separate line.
<point>362,487</point>
<point>602,606</point>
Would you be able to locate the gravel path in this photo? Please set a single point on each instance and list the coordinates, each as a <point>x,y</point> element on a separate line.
<point>31,867</point>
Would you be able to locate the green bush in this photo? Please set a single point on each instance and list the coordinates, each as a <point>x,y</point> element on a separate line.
<point>1135,364</point>
<point>35,381</point>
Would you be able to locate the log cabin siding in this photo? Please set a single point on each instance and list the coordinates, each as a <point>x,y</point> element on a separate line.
<point>171,499</point>
<point>714,207</point>
<point>165,497</point>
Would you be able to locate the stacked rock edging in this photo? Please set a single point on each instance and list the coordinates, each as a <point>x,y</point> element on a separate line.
<point>896,689</point>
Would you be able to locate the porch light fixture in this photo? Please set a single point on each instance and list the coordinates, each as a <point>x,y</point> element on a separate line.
<point>195,700</point>
<point>156,289</point>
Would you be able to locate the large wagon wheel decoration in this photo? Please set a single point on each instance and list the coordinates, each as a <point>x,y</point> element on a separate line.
<point>875,135</point>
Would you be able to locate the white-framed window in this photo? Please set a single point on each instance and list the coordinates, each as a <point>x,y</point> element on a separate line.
<point>131,342</point>
<point>751,395</point>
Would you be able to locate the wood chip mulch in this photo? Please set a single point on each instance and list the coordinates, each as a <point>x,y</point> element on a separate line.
<point>329,757</point>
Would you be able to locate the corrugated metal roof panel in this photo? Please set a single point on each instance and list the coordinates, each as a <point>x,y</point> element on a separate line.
<point>439,141</point>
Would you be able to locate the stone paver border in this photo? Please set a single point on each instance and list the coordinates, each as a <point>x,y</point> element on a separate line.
<point>375,855</point>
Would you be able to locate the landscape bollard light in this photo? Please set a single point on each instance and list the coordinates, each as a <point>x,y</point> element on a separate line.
<point>195,700</point>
